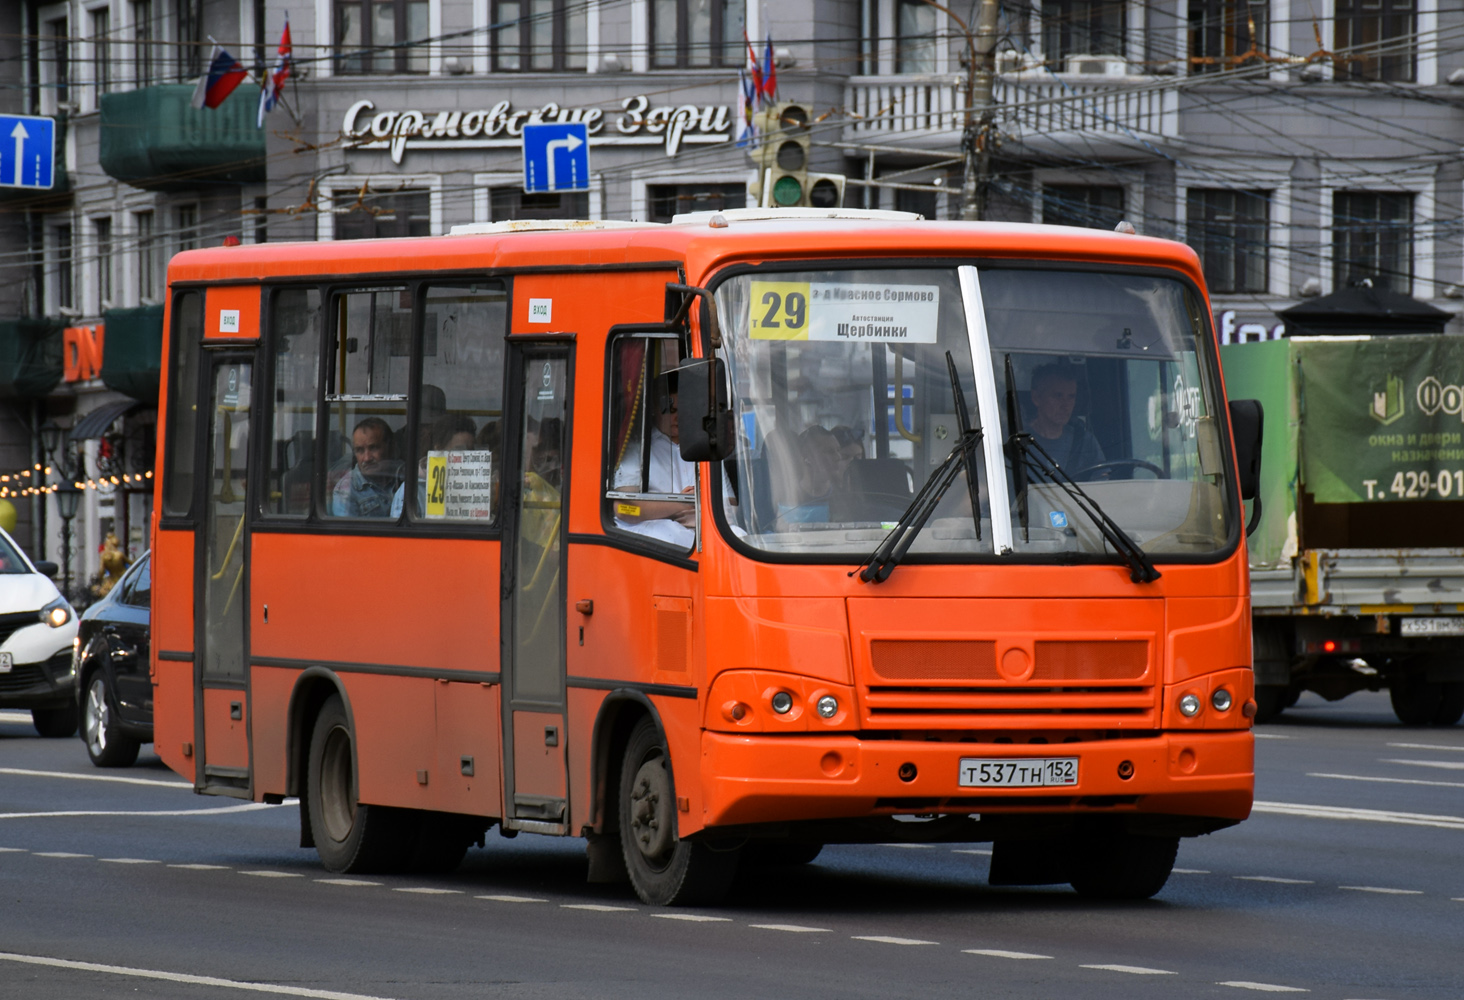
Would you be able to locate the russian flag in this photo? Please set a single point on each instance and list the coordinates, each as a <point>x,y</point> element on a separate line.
<point>224,75</point>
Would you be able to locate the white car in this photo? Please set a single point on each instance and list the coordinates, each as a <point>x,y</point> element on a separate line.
<point>37,632</point>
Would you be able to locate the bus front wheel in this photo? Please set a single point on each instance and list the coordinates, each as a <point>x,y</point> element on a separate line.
<point>349,837</point>
<point>664,869</point>
<point>1116,864</point>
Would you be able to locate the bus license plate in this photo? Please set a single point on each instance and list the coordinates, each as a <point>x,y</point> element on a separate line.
<point>1028,772</point>
<point>1432,626</point>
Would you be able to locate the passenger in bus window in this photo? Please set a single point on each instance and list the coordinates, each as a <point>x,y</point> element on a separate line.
<point>667,520</point>
<point>375,476</point>
<point>453,432</point>
<point>819,465</point>
<point>1068,440</point>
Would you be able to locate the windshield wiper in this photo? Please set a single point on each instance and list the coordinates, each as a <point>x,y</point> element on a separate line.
<point>1023,446</point>
<point>887,555</point>
<point>1018,458</point>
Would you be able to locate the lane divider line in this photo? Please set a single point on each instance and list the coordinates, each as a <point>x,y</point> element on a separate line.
<point>181,977</point>
<point>70,813</point>
<point>1386,892</point>
<point>1390,781</point>
<point>1443,765</point>
<point>1426,746</point>
<point>428,891</point>
<point>999,953</point>
<point>1189,871</point>
<point>513,899</point>
<point>696,918</point>
<point>1241,984</point>
<point>269,874</point>
<point>61,854</point>
<point>912,847</point>
<point>14,850</point>
<point>130,861</point>
<point>195,867</point>
<point>792,928</point>
<point>881,939</point>
<point>1133,970</point>
<point>972,850</point>
<point>597,907</point>
<point>30,773</point>
<point>1361,815</point>
<point>1274,878</point>
<point>345,881</point>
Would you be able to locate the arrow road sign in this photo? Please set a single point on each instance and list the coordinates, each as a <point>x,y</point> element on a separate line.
<point>556,157</point>
<point>27,151</point>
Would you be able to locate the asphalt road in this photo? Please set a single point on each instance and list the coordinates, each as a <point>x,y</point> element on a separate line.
<point>1346,883</point>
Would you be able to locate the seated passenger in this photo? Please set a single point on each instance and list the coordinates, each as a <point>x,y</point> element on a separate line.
<point>452,432</point>
<point>667,472</point>
<point>1054,396</point>
<point>367,490</point>
<point>819,465</point>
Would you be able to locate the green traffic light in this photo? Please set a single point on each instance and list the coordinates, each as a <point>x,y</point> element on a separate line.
<point>787,191</point>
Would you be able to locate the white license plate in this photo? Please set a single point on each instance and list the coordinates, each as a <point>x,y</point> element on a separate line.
<point>1026,772</point>
<point>7,662</point>
<point>1433,626</point>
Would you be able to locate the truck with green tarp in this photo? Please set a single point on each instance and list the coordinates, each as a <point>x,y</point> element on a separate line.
<point>1357,565</point>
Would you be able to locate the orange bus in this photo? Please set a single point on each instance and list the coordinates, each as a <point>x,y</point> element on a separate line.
<point>712,542</point>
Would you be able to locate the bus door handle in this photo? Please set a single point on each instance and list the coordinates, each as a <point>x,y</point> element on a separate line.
<point>585,607</point>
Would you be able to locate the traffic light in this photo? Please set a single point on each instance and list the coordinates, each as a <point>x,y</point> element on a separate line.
<point>825,191</point>
<point>783,179</point>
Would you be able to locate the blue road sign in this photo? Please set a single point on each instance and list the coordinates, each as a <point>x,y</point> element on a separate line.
<point>27,151</point>
<point>556,157</point>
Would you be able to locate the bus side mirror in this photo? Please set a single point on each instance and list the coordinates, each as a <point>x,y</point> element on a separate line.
<point>704,419</point>
<point>1247,424</point>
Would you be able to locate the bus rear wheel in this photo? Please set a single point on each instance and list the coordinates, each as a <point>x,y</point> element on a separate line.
<point>1116,864</point>
<point>664,869</point>
<point>349,836</point>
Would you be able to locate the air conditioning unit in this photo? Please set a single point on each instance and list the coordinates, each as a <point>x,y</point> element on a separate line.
<point>1097,65</point>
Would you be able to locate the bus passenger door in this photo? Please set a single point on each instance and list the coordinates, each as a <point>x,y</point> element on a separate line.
<point>222,588</point>
<point>533,612</point>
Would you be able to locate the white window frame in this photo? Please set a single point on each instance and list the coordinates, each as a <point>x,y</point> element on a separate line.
<point>1389,177</point>
<point>92,100</point>
<point>129,268</point>
<point>325,35</point>
<point>345,188</point>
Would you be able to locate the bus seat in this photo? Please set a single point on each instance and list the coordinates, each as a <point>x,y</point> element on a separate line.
<point>875,489</point>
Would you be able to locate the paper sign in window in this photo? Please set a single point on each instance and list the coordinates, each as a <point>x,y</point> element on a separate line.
<point>847,311</point>
<point>460,485</point>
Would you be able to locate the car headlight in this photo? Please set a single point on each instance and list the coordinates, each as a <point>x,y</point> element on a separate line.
<point>57,613</point>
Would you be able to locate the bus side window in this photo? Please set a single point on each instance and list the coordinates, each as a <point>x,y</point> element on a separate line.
<point>650,489</point>
<point>458,434</point>
<point>295,323</point>
<point>183,403</point>
<point>370,346</point>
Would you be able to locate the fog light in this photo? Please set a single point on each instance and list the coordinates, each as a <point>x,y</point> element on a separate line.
<point>1189,706</point>
<point>1221,700</point>
<point>1126,769</point>
<point>782,702</point>
<point>739,712</point>
<point>908,771</point>
<point>828,706</point>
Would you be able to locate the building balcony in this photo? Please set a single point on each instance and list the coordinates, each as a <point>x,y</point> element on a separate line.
<point>154,138</point>
<point>1037,112</point>
<point>132,352</point>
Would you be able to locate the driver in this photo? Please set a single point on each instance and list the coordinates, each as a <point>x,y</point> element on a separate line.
<point>1054,395</point>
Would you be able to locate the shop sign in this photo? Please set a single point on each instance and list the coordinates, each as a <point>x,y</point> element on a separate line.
<point>669,126</point>
<point>1242,333</point>
<point>82,352</point>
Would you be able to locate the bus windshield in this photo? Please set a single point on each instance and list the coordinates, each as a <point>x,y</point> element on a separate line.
<point>845,404</point>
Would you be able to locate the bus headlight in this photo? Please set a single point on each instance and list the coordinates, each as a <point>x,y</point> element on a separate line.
<point>1189,706</point>
<point>56,614</point>
<point>1221,700</point>
<point>782,702</point>
<point>828,706</point>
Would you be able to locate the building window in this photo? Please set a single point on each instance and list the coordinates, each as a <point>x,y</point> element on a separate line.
<point>915,34</point>
<point>1081,28</point>
<point>539,35</point>
<point>1380,33</point>
<point>149,264</point>
<point>142,34</point>
<point>1221,31</point>
<point>101,41</point>
<point>186,14</point>
<point>377,216</point>
<point>697,33</point>
<point>924,203</point>
<point>102,231</point>
<point>381,36</point>
<point>60,45</point>
<point>61,236</point>
<point>1228,229</point>
<point>668,200</point>
<point>1082,205</point>
<point>1372,238</point>
<point>510,203</point>
<point>187,227</point>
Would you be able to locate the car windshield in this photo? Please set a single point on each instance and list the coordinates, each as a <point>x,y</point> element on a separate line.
<point>845,404</point>
<point>11,560</point>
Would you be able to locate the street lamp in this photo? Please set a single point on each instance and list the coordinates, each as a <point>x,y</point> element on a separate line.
<point>51,436</point>
<point>68,497</point>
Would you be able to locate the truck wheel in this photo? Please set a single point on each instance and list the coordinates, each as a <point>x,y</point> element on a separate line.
<point>664,869</point>
<point>1416,701</point>
<point>350,837</point>
<point>1451,705</point>
<point>1272,700</point>
<point>1116,864</point>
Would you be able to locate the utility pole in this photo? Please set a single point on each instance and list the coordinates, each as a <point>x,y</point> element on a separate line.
<point>980,94</point>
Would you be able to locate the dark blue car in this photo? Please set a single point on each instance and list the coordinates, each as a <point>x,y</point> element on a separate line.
<point>114,690</point>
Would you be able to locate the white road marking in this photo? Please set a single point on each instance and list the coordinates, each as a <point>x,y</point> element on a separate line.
<point>13,850</point>
<point>512,899</point>
<point>1390,781</point>
<point>1388,892</point>
<point>1443,765</point>
<point>60,854</point>
<point>972,850</point>
<point>426,891</point>
<point>216,811</point>
<point>130,861</point>
<point>345,881</point>
<point>203,868</point>
<point>1426,746</point>
<point>22,717</point>
<point>917,847</point>
<point>1189,871</point>
<point>597,907</point>
<point>1135,970</point>
<point>1362,815</point>
<point>1271,736</point>
<point>880,939</point>
<point>998,953</point>
<point>697,918</point>
<point>1274,878</point>
<point>185,786</point>
<point>1241,984</point>
<point>792,928</point>
<point>269,874</point>
<point>179,977</point>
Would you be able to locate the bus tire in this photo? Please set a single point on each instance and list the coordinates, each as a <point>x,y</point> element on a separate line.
<point>1416,700</point>
<point>1451,705</point>
<point>664,869</point>
<point>1115,864</point>
<point>349,836</point>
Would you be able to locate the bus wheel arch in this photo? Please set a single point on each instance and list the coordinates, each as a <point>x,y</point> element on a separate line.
<point>313,688</point>
<point>617,717</point>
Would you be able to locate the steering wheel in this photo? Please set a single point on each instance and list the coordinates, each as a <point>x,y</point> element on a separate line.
<point>1097,471</point>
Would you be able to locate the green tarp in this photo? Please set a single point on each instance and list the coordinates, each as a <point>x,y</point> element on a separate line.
<point>1263,371</point>
<point>154,138</point>
<point>132,351</point>
<point>30,357</point>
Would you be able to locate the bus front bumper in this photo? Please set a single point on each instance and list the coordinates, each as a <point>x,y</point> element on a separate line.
<point>754,779</point>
